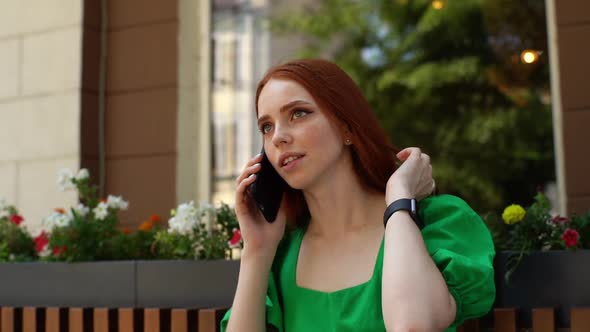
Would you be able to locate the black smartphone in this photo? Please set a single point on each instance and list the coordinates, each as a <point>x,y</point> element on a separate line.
<point>267,190</point>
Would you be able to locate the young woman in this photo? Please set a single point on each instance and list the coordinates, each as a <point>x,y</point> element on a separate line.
<point>327,263</point>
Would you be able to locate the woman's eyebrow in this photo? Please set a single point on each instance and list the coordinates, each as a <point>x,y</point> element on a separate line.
<point>285,107</point>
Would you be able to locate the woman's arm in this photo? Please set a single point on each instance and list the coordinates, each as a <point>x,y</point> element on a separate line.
<point>248,310</point>
<point>415,296</point>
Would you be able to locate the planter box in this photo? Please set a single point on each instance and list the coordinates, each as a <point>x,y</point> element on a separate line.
<point>115,284</point>
<point>186,284</point>
<point>556,279</point>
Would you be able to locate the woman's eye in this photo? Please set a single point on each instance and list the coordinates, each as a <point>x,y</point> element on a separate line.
<point>298,113</point>
<point>265,128</point>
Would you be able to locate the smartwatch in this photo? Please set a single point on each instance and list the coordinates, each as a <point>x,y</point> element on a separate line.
<point>406,204</point>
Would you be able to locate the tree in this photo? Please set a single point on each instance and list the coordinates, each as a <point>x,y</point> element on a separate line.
<point>446,76</point>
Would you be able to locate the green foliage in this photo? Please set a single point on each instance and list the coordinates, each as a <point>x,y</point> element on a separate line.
<point>449,81</point>
<point>16,244</point>
<point>136,245</point>
<point>170,245</point>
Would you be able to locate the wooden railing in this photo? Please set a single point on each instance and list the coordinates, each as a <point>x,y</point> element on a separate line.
<point>31,319</point>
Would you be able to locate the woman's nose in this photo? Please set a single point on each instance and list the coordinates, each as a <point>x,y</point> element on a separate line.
<point>281,135</point>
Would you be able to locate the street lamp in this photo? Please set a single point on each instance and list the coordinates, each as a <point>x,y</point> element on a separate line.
<point>529,56</point>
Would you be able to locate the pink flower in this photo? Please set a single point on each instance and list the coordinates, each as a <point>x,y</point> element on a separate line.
<point>41,242</point>
<point>560,220</point>
<point>570,237</point>
<point>235,240</point>
<point>16,219</point>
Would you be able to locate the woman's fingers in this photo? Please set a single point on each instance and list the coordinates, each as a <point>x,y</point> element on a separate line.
<point>425,158</point>
<point>408,152</point>
<point>249,168</point>
<point>242,186</point>
<point>257,158</point>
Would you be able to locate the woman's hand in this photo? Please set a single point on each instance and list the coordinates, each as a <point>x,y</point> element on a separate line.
<point>260,237</point>
<point>413,179</point>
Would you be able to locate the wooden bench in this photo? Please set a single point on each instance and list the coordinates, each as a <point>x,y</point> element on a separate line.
<point>30,319</point>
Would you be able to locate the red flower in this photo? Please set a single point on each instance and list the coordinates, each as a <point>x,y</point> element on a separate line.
<point>16,219</point>
<point>560,220</point>
<point>154,219</point>
<point>235,240</point>
<point>41,242</point>
<point>59,250</point>
<point>60,210</point>
<point>570,237</point>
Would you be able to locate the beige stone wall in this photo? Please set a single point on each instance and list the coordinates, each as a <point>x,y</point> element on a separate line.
<point>569,40</point>
<point>40,47</point>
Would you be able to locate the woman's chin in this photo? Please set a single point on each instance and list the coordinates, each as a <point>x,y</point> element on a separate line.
<point>296,184</point>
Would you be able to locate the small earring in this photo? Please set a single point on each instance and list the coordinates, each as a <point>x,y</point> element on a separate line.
<point>348,142</point>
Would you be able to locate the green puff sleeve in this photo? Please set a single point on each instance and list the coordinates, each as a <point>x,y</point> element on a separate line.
<point>274,314</point>
<point>462,248</point>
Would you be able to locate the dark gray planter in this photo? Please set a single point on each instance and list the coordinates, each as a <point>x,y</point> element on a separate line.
<point>186,284</point>
<point>557,279</point>
<point>92,284</point>
<point>164,284</point>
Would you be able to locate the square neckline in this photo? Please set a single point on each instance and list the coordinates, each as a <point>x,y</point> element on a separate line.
<point>299,239</point>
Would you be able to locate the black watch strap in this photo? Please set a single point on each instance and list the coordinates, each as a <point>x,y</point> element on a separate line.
<point>406,204</point>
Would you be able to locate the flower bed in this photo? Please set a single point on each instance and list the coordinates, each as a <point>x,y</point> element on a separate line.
<point>522,231</point>
<point>542,260</point>
<point>89,231</point>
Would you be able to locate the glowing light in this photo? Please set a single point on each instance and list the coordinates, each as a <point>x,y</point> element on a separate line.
<point>438,4</point>
<point>529,56</point>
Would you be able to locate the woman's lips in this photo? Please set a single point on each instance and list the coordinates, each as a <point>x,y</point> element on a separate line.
<point>292,164</point>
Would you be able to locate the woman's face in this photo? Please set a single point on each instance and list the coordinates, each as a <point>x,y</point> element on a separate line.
<point>299,139</point>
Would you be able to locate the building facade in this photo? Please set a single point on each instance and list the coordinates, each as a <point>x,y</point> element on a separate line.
<point>156,98</point>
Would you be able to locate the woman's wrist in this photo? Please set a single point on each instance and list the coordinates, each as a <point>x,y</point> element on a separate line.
<point>398,194</point>
<point>261,257</point>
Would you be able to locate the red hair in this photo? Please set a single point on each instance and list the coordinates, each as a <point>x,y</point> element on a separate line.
<point>373,155</point>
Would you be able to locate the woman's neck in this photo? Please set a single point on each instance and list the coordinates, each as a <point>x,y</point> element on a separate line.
<point>340,204</point>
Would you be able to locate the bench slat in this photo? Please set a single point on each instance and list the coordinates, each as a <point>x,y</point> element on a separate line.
<point>101,320</point>
<point>543,320</point>
<point>52,319</point>
<point>76,320</point>
<point>151,318</point>
<point>505,320</point>
<point>7,319</point>
<point>179,320</point>
<point>125,319</point>
<point>209,319</point>
<point>580,319</point>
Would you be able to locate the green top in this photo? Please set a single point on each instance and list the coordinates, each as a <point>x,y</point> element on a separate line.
<point>458,242</point>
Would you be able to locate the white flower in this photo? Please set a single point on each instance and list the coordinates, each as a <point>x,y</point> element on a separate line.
<point>185,219</point>
<point>3,204</point>
<point>64,179</point>
<point>11,257</point>
<point>45,252</point>
<point>101,211</point>
<point>82,174</point>
<point>205,206</point>
<point>117,202</point>
<point>54,220</point>
<point>80,209</point>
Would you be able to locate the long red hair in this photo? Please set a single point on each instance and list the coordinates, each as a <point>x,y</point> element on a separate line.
<point>341,99</point>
